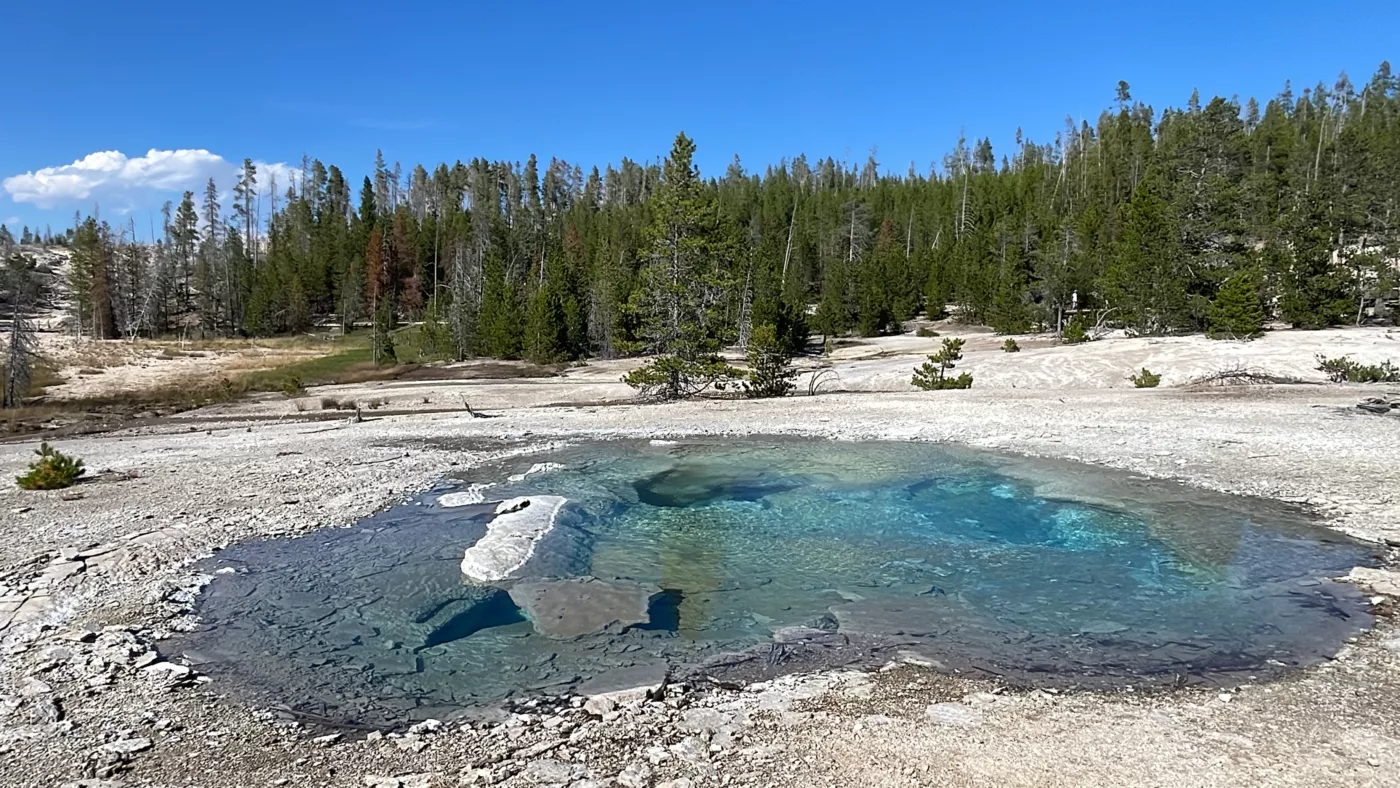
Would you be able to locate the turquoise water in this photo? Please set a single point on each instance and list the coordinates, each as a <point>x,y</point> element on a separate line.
<point>757,557</point>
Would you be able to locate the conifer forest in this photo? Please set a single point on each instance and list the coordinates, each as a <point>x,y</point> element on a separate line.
<point>1213,217</point>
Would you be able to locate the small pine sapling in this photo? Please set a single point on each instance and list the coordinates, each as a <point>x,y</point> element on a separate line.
<point>1146,379</point>
<point>1010,346</point>
<point>1344,369</point>
<point>932,375</point>
<point>770,365</point>
<point>54,470</point>
<point>1074,333</point>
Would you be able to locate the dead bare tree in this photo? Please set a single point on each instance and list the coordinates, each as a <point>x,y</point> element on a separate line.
<point>21,347</point>
<point>1240,375</point>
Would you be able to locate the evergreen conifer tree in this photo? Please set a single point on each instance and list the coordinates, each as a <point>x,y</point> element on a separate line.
<point>499,325</point>
<point>770,364</point>
<point>1237,311</point>
<point>1148,280</point>
<point>932,375</point>
<point>682,284</point>
<point>382,342</point>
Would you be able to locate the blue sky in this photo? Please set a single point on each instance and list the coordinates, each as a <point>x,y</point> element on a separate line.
<point>203,86</point>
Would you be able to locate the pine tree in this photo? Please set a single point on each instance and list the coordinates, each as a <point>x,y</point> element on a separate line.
<point>938,287</point>
<point>683,280</point>
<point>499,325</point>
<point>546,327</point>
<point>382,339</point>
<point>932,375</point>
<point>1315,292</point>
<point>377,277</point>
<point>1148,280</point>
<point>770,364</point>
<point>832,318</point>
<point>184,236</point>
<point>214,277</point>
<point>876,280</point>
<point>90,279</point>
<point>1237,311</point>
<point>245,195</point>
<point>298,315</point>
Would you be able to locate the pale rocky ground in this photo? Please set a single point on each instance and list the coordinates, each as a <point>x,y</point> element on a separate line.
<point>885,363</point>
<point>94,576</point>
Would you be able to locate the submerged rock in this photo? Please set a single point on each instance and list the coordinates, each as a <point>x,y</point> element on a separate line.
<point>583,606</point>
<point>539,467</point>
<point>922,617</point>
<point>698,484</point>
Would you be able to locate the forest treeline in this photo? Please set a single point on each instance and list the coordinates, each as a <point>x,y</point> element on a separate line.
<point>1178,221</point>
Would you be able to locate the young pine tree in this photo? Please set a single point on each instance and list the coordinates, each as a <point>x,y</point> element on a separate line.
<point>932,375</point>
<point>770,364</point>
<point>1237,311</point>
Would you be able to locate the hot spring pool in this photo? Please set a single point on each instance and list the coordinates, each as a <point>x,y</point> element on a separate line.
<point>742,559</point>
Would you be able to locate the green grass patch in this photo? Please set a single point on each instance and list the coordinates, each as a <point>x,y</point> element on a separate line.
<point>423,343</point>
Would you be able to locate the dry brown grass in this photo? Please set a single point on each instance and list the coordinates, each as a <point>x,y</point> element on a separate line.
<point>151,378</point>
<point>96,355</point>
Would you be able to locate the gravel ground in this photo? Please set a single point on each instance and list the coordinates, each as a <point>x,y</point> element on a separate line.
<point>91,577</point>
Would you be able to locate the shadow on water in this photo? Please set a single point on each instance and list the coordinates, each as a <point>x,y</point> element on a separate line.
<point>664,611</point>
<point>496,610</point>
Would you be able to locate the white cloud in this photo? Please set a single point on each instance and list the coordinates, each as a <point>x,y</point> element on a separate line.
<point>112,177</point>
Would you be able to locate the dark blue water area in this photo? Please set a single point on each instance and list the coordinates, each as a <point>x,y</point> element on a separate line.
<point>741,559</point>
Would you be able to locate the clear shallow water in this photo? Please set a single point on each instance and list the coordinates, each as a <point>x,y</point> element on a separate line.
<point>762,556</point>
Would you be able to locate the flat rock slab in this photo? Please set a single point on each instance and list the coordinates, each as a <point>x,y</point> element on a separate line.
<point>58,572</point>
<point>582,606</point>
<point>126,746</point>
<point>625,685</point>
<point>32,608</point>
<point>1380,581</point>
<point>954,714</point>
